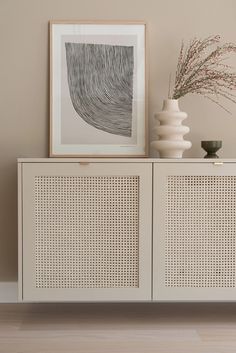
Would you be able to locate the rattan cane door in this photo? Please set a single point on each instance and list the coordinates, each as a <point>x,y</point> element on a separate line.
<point>86,231</point>
<point>194,231</point>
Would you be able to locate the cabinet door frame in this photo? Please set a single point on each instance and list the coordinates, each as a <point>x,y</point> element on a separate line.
<point>161,292</point>
<point>27,290</point>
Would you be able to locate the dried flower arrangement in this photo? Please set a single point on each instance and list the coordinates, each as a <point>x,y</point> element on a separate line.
<point>201,70</point>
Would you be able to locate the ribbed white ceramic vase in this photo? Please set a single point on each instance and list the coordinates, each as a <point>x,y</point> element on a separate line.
<point>171,143</point>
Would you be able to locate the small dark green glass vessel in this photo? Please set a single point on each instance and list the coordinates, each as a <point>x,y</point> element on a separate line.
<point>211,147</point>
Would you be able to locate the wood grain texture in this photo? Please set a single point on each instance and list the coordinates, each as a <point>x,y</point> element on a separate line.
<point>105,328</point>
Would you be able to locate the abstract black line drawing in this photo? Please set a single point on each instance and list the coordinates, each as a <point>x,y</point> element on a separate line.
<point>100,80</point>
<point>98,100</point>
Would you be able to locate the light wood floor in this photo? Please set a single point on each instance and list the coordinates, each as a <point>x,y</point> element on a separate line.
<point>116,328</point>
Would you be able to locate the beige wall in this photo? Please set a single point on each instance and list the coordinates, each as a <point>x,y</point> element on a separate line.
<point>24,74</point>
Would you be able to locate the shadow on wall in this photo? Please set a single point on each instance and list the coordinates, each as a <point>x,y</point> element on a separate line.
<point>8,221</point>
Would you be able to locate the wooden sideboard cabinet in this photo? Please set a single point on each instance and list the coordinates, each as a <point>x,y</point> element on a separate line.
<point>127,230</point>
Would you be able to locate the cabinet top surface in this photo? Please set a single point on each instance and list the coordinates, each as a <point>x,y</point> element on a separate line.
<point>124,160</point>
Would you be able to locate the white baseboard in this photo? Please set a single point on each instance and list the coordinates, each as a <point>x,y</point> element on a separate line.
<point>8,292</point>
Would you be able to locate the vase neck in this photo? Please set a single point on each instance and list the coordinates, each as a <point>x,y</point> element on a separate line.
<point>171,105</point>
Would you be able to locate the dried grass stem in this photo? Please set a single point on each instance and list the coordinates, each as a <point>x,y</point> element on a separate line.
<point>201,70</point>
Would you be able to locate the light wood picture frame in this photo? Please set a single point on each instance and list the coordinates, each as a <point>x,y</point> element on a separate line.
<point>98,96</point>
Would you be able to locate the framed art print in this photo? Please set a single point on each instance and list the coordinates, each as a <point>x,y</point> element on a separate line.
<point>97,89</point>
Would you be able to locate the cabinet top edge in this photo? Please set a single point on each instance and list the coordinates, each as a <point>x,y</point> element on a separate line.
<point>124,160</point>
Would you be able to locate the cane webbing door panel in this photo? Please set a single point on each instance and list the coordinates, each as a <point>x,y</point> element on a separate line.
<point>194,239</point>
<point>86,231</point>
